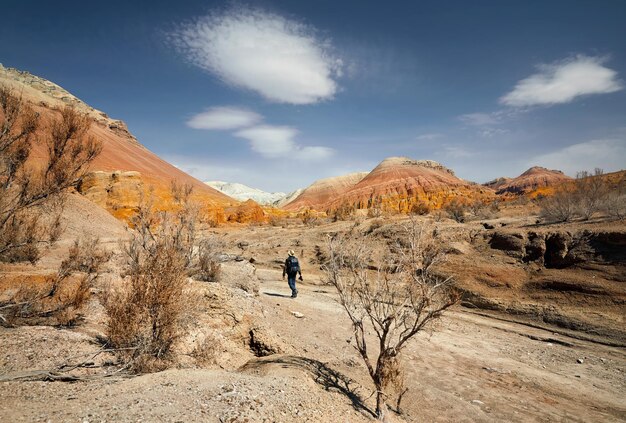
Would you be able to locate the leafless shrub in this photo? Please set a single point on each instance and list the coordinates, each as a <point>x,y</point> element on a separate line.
<point>456,209</point>
<point>587,195</point>
<point>145,316</point>
<point>343,212</point>
<point>396,301</point>
<point>559,207</point>
<point>420,209</point>
<point>615,203</point>
<point>207,266</point>
<point>374,211</point>
<point>482,210</point>
<point>32,193</point>
<point>59,299</point>
<point>591,191</point>
<point>309,218</point>
<point>206,351</point>
<point>180,192</point>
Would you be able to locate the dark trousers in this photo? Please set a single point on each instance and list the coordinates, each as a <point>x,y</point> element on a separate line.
<point>291,280</point>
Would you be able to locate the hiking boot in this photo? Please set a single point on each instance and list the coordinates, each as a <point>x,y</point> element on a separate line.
<point>294,294</point>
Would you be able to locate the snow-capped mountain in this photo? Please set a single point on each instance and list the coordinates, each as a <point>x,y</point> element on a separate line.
<point>243,192</point>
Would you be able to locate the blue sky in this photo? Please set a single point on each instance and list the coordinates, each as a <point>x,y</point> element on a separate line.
<point>276,94</point>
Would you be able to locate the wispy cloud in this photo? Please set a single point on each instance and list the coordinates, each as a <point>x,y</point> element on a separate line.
<point>563,81</point>
<point>224,118</point>
<point>279,141</point>
<point>492,132</point>
<point>457,152</point>
<point>278,58</point>
<point>609,154</point>
<point>479,119</point>
<point>429,137</point>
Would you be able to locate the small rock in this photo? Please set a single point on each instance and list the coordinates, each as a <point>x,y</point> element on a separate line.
<point>477,402</point>
<point>297,314</point>
<point>580,361</point>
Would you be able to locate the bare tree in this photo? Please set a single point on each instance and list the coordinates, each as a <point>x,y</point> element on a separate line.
<point>592,191</point>
<point>397,298</point>
<point>28,188</point>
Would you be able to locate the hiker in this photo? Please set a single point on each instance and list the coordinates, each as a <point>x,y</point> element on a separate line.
<point>291,269</point>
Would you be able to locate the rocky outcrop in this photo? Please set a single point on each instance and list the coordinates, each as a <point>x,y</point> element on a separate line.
<point>323,191</point>
<point>119,191</point>
<point>533,179</point>
<point>398,184</point>
<point>562,249</point>
<point>246,212</point>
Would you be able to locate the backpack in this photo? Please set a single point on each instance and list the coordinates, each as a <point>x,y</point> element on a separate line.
<point>292,265</point>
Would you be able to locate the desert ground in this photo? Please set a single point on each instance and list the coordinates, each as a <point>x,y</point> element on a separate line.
<point>252,354</point>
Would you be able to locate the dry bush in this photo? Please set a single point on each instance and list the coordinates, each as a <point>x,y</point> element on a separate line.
<point>559,207</point>
<point>392,291</point>
<point>206,351</point>
<point>456,209</point>
<point>375,211</point>
<point>420,209</point>
<point>343,212</point>
<point>146,315</point>
<point>309,218</point>
<point>481,210</point>
<point>587,195</point>
<point>592,192</point>
<point>32,193</point>
<point>60,298</point>
<point>615,203</point>
<point>207,266</point>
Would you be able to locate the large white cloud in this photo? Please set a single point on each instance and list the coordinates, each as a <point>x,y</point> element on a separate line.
<point>279,141</point>
<point>270,141</point>
<point>563,81</point>
<point>224,118</point>
<point>278,58</point>
<point>609,154</point>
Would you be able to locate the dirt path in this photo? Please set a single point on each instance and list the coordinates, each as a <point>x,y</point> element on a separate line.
<point>473,368</point>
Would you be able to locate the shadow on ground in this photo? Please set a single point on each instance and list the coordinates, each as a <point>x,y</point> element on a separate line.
<point>329,378</point>
<point>274,294</point>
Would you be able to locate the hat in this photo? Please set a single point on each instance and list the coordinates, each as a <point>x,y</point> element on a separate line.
<point>291,253</point>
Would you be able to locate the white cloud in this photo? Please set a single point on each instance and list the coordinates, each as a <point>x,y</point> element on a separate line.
<point>224,118</point>
<point>563,81</point>
<point>279,141</point>
<point>278,58</point>
<point>429,137</point>
<point>314,153</point>
<point>609,155</point>
<point>270,141</point>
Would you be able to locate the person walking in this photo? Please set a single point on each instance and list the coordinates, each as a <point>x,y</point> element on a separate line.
<point>291,269</point>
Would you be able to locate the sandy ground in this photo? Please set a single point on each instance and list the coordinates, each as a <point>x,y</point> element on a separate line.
<point>472,369</point>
